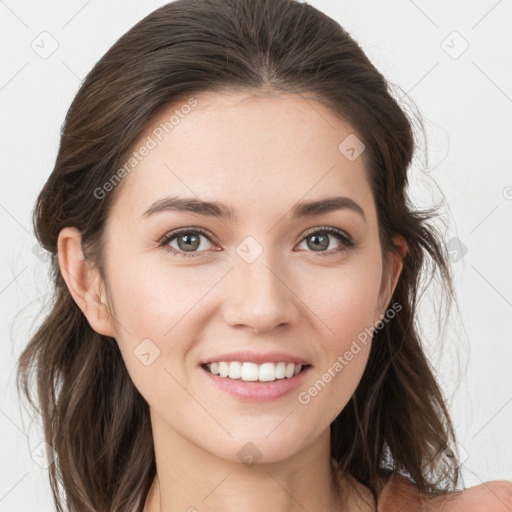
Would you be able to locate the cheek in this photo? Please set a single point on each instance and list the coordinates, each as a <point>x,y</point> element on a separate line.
<point>156,308</point>
<point>150,297</point>
<point>346,313</point>
<point>345,299</point>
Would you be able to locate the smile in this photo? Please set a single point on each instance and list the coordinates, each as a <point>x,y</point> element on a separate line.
<point>252,372</point>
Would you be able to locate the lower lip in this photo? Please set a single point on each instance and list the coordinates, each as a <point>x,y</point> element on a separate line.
<point>258,391</point>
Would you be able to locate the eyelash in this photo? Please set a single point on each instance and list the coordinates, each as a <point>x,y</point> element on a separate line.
<point>346,240</point>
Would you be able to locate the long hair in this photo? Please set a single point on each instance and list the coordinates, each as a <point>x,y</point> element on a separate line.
<point>94,418</point>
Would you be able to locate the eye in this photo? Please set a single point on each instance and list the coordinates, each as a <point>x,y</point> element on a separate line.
<point>320,240</point>
<point>189,242</point>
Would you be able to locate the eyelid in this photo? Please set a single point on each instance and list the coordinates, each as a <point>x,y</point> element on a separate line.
<point>174,233</point>
<point>330,230</point>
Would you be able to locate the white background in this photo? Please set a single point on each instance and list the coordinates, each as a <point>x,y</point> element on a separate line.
<point>466,103</point>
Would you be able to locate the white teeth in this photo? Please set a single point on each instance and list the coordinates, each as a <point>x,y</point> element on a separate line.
<point>235,370</point>
<point>280,370</point>
<point>249,371</point>
<point>266,372</point>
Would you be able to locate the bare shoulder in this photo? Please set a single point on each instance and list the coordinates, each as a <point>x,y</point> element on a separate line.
<point>400,495</point>
<point>493,496</point>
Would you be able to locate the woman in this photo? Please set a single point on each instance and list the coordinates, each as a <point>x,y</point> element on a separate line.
<point>236,266</point>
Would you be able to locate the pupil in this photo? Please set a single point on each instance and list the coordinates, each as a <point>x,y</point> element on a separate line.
<point>192,241</point>
<point>319,244</point>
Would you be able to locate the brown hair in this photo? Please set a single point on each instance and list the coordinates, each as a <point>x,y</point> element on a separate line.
<point>93,416</point>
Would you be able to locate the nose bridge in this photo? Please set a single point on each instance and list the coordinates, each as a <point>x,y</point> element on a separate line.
<point>258,294</point>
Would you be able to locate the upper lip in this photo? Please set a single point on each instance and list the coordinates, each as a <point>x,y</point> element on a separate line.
<point>258,358</point>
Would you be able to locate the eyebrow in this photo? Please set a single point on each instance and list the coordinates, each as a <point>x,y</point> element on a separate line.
<point>218,209</point>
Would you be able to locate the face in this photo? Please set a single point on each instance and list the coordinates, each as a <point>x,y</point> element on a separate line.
<point>269,278</point>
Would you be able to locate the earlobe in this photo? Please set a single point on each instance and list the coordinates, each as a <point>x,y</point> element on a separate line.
<point>83,281</point>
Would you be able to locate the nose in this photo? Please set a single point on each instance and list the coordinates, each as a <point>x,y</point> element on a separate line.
<point>259,296</point>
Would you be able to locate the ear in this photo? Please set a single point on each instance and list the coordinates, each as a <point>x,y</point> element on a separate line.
<point>390,278</point>
<point>83,281</point>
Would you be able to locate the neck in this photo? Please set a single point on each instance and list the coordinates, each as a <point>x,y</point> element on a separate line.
<point>191,479</point>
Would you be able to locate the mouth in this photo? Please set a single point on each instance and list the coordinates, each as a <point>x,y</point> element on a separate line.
<point>252,372</point>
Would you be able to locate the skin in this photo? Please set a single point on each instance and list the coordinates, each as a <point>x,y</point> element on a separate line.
<point>260,155</point>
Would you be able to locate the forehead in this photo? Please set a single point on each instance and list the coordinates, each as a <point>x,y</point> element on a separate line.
<point>251,151</point>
